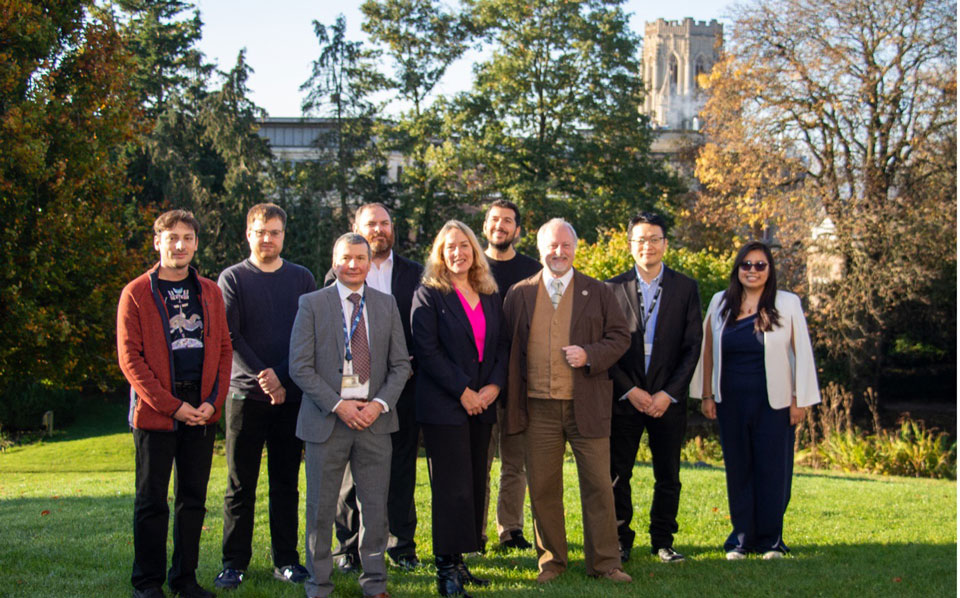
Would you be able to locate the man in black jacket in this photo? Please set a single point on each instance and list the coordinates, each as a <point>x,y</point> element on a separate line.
<point>398,276</point>
<point>650,381</point>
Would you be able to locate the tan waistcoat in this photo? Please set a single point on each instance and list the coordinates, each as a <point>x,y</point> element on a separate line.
<point>549,376</point>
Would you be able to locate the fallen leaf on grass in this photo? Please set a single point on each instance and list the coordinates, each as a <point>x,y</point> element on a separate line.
<point>897,579</point>
<point>44,512</point>
<point>715,509</point>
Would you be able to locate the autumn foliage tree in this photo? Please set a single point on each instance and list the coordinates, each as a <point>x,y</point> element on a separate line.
<point>848,105</point>
<point>66,108</point>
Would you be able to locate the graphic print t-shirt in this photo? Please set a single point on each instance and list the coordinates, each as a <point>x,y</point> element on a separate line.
<point>186,327</point>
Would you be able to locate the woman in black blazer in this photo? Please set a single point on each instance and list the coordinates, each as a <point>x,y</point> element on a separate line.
<point>460,344</point>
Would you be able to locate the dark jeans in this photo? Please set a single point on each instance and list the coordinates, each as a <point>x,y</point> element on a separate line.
<point>251,424</point>
<point>401,508</point>
<point>187,451</point>
<point>665,435</point>
<point>457,456</point>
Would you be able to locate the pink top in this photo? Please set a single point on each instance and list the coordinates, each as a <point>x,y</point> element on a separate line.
<point>478,322</point>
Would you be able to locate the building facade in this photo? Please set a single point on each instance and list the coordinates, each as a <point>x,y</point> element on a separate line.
<point>675,53</point>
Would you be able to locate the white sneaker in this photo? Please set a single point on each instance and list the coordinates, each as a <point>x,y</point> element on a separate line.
<point>735,555</point>
<point>772,554</point>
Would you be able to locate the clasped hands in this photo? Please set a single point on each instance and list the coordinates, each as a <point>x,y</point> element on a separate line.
<point>654,405</point>
<point>477,401</point>
<point>358,415</point>
<point>194,416</point>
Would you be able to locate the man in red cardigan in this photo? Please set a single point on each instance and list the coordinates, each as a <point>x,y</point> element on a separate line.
<point>174,349</point>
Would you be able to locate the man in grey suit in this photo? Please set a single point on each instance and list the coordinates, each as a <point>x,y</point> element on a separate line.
<point>348,354</point>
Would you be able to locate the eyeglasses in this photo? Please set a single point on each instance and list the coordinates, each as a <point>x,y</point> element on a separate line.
<point>647,240</point>
<point>261,233</point>
<point>758,266</point>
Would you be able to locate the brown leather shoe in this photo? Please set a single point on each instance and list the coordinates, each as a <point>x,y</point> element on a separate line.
<point>547,576</point>
<point>380,595</point>
<point>616,576</point>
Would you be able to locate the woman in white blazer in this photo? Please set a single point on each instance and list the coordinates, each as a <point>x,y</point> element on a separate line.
<point>756,375</point>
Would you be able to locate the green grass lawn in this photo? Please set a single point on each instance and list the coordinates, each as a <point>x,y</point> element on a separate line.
<point>66,507</point>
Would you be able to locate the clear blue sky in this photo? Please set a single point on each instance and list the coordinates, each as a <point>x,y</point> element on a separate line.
<point>281,46</point>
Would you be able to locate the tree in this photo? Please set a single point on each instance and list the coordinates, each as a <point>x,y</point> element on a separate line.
<point>422,39</point>
<point>229,123</point>
<point>749,183</point>
<point>66,109</point>
<point>200,150</point>
<point>553,118</point>
<point>343,79</point>
<point>863,96</point>
<point>164,47</point>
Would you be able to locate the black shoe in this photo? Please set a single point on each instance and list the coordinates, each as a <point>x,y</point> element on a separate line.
<point>516,540</point>
<point>349,563</point>
<point>624,553</point>
<point>669,555</point>
<point>228,579</point>
<point>192,590</point>
<point>448,578</point>
<point>295,573</point>
<point>154,592</point>
<point>467,578</point>
<point>407,562</point>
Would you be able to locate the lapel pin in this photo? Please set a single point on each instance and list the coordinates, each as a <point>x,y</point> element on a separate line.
<point>584,292</point>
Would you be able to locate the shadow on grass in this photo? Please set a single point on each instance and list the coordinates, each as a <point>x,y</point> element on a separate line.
<point>82,546</point>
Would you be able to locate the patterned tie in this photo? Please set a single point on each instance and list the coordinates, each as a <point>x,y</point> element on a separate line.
<point>358,343</point>
<point>557,292</point>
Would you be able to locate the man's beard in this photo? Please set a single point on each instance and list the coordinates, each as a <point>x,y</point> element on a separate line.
<point>502,246</point>
<point>382,245</point>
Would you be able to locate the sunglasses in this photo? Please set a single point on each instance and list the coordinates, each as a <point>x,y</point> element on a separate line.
<point>758,266</point>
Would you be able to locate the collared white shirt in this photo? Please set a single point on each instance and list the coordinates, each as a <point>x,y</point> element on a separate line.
<point>380,277</point>
<point>548,279</point>
<point>362,391</point>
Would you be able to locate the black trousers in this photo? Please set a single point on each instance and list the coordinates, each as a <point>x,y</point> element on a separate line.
<point>250,425</point>
<point>401,508</point>
<point>188,452</point>
<point>457,459</point>
<point>665,435</point>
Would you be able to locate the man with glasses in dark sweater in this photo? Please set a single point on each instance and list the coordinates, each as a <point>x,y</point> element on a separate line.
<point>261,295</point>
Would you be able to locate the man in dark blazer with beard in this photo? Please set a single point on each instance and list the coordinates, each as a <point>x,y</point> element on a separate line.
<point>650,381</point>
<point>395,275</point>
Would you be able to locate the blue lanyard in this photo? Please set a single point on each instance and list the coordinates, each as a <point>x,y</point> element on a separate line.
<point>348,337</point>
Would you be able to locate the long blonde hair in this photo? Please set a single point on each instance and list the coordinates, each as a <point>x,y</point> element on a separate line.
<point>436,275</point>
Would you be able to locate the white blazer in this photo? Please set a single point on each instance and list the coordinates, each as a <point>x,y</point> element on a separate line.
<point>787,355</point>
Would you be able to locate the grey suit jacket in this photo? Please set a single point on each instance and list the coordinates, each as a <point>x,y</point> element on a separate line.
<point>316,359</point>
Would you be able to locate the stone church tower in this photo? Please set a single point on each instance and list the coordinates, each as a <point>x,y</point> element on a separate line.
<point>674,53</point>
